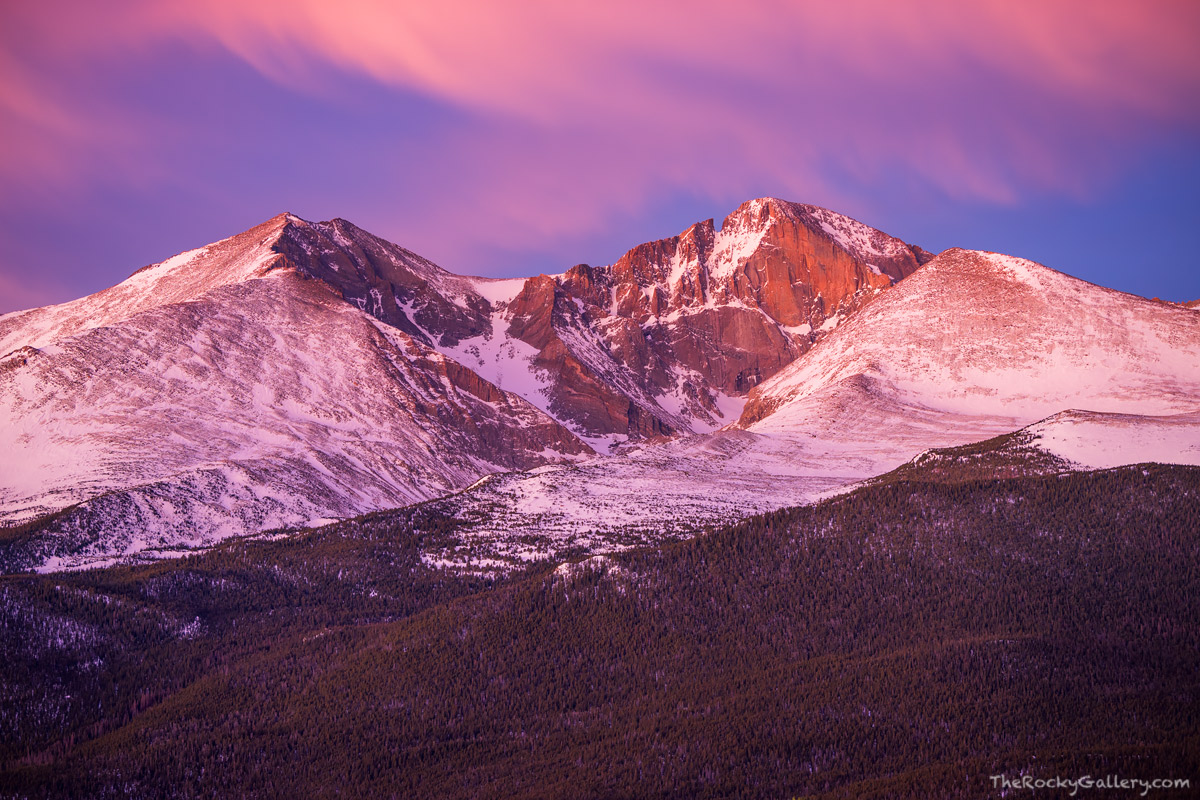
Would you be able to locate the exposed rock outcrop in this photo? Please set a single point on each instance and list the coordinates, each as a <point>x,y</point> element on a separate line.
<point>704,313</point>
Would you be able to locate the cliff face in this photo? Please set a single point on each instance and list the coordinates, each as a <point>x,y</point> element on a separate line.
<point>388,282</point>
<point>702,316</point>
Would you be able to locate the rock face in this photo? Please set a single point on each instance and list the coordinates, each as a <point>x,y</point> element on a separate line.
<point>673,335</point>
<point>388,282</point>
<point>738,304</point>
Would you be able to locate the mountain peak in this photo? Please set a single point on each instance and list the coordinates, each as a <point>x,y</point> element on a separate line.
<point>884,255</point>
<point>285,216</point>
<point>182,278</point>
<point>987,333</point>
<point>371,273</point>
<point>985,265</point>
<point>759,210</point>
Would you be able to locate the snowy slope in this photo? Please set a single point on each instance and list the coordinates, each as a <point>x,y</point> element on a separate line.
<point>675,489</point>
<point>1091,440</point>
<point>365,270</point>
<point>263,400</point>
<point>985,334</point>
<point>187,276</point>
<point>871,246</point>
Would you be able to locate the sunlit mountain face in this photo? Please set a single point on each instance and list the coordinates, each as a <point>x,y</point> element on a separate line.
<point>302,372</point>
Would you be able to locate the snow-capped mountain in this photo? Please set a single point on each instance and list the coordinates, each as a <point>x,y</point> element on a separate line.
<point>302,371</point>
<point>233,389</point>
<point>305,371</point>
<point>1093,377</point>
<point>1030,343</point>
<point>671,337</point>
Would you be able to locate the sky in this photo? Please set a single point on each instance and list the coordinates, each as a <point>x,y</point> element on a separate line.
<point>518,138</point>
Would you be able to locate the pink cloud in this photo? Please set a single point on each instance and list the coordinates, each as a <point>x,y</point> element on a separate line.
<point>552,60</point>
<point>590,110</point>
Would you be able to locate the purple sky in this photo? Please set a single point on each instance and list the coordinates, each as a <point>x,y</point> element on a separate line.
<point>517,138</point>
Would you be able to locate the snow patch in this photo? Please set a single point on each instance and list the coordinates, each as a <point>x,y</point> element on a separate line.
<point>1104,441</point>
<point>732,247</point>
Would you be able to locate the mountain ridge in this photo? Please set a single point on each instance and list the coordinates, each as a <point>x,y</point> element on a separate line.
<point>1091,344</point>
<point>638,357</point>
<point>264,404</point>
<point>302,371</point>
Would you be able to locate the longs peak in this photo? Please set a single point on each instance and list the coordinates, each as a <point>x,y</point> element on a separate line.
<point>667,339</point>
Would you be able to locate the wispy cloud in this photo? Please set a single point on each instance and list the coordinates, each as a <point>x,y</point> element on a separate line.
<point>576,113</point>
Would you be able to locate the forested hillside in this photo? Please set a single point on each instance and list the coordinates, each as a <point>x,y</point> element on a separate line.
<point>910,639</point>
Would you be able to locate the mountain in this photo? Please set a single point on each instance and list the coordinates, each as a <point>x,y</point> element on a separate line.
<point>671,337</point>
<point>1089,377</point>
<point>1031,342</point>
<point>301,372</point>
<point>305,371</point>
<point>233,389</point>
